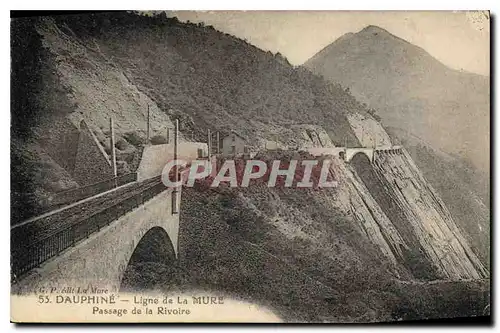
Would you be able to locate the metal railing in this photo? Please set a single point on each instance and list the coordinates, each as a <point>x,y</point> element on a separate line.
<point>80,193</point>
<point>25,257</point>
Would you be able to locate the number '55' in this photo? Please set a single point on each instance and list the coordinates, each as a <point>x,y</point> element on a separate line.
<point>43,299</point>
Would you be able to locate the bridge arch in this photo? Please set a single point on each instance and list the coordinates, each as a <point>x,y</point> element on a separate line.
<point>351,152</point>
<point>154,248</point>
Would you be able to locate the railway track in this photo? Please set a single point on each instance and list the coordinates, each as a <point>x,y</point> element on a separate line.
<point>40,228</point>
<point>41,239</point>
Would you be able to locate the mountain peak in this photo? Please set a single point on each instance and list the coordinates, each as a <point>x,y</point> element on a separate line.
<point>406,84</point>
<point>373,29</point>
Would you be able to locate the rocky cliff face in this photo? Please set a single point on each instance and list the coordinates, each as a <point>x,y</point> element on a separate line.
<point>428,219</point>
<point>464,191</point>
<point>369,131</point>
<point>417,226</point>
<point>401,214</point>
<point>296,137</point>
<point>92,78</point>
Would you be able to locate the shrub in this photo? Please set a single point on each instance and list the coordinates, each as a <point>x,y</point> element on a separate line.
<point>122,144</point>
<point>158,140</point>
<point>134,138</point>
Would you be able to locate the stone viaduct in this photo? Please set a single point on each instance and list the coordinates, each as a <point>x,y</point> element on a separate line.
<point>347,154</point>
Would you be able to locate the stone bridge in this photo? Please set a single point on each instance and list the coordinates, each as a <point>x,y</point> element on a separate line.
<point>347,154</point>
<point>101,259</point>
<point>96,250</point>
<point>351,152</point>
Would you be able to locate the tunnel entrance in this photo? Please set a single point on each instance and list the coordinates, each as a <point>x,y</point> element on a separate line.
<point>414,259</point>
<point>152,264</point>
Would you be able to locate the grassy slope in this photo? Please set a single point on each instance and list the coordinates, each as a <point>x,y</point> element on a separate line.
<point>209,79</point>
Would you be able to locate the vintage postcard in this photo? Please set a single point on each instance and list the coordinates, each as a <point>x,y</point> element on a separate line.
<point>250,166</point>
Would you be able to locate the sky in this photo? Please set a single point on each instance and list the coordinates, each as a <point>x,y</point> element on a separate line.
<point>460,40</point>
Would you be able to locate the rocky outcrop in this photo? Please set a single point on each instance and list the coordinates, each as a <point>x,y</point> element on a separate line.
<point>369,132</point>
<point>431,221</point>
<point>98,88</point>
<point>402,215</point>
<point>412,217</point>
<point>295,137</point>
<point>357,202</point>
